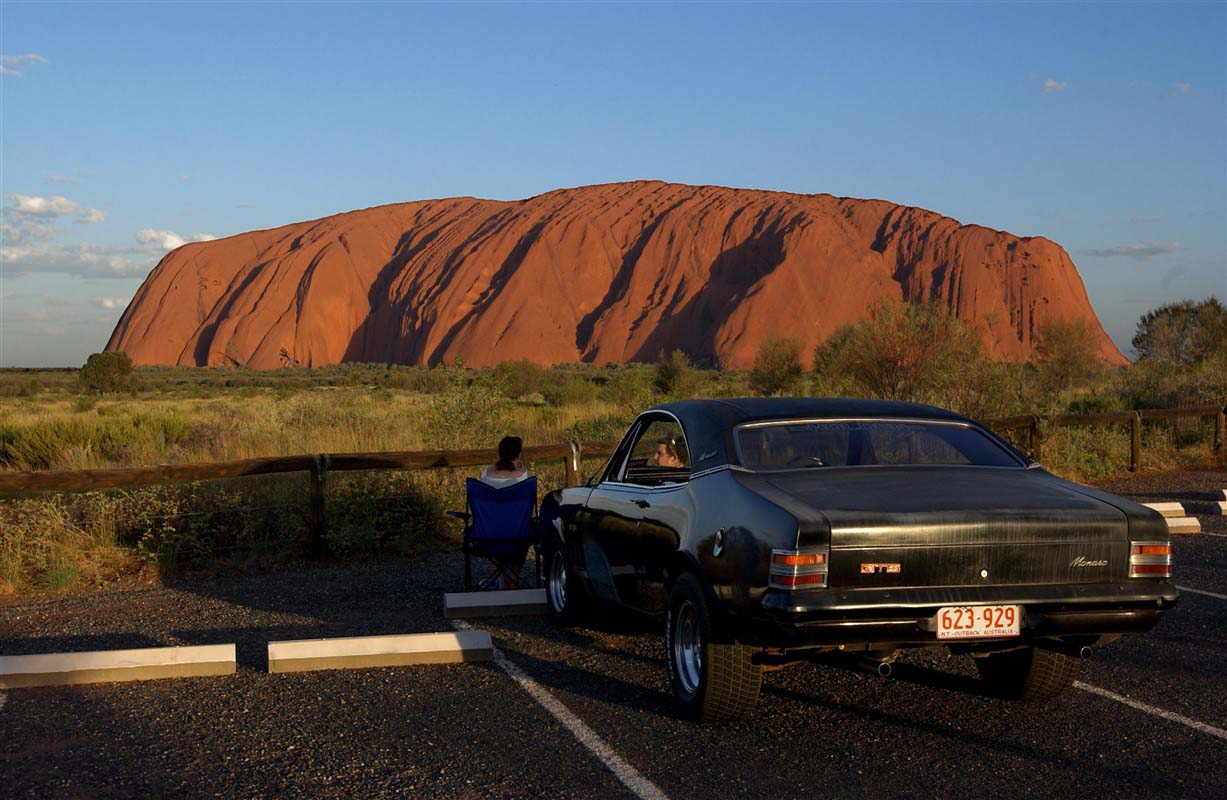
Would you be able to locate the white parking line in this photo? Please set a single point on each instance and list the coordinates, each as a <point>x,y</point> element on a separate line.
<point>1202,591</point>
<point>630,777</point>
<point>1158,712</point>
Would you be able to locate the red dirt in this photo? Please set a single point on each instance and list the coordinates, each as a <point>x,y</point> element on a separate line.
<point>604,274</point>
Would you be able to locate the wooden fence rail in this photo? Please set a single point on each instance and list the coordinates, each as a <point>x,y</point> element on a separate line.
<point>20,483</point>
<point>1035,426</point>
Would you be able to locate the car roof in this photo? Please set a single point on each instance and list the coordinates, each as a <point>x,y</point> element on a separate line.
<point>708,424</point>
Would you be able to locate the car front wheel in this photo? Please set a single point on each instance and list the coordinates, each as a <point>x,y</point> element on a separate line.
<point>1031,673</point>
<point>713,677</point>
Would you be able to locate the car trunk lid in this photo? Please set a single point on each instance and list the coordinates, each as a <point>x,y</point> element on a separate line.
<point>960,526</point>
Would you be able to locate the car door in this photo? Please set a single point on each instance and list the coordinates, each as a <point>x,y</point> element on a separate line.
<point>633,522</point>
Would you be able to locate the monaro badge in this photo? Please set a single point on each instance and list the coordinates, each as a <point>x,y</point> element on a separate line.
<point>873,569</point>
<point>1084,562</point>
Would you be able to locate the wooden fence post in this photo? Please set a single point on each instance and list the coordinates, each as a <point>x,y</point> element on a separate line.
<point>1135,442</point>
<point>570,465</point>
<point>1220,430</point>
<point>1036,440</point>
<point>318,523</point>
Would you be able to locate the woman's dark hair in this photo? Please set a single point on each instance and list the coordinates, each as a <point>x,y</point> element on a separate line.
<point>509,448</point>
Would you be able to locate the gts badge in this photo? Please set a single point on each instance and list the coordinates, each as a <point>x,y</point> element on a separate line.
<point>1083,562</point>
<point>875,569</point>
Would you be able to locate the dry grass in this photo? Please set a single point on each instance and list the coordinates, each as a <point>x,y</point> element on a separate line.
<point>57,541</point>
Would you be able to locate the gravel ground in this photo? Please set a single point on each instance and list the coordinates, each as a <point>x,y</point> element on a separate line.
<point>470,731</point>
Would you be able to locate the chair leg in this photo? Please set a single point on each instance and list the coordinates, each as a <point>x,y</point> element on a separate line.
<point>468,574</point>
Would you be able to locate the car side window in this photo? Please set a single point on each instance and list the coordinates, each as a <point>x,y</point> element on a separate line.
<point>659,456</point>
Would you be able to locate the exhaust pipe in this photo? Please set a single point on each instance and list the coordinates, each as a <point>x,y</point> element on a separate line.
<point>871,664</point>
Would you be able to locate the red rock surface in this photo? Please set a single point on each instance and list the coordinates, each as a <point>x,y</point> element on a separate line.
<point>608,273</point>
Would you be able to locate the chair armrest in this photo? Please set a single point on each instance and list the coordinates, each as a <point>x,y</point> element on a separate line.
<point>460,515</point>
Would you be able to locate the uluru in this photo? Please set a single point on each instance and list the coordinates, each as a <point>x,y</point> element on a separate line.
<point>605,274</point>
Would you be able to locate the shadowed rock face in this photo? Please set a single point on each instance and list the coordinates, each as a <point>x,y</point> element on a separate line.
<point>604,274</point>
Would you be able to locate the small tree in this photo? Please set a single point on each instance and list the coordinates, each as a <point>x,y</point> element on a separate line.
<point>777,367</point>
<point>1182,333</point>
<point>675,374</point>
<point>1064,357</point>
<point>918,352</point>
<point>104,373</point>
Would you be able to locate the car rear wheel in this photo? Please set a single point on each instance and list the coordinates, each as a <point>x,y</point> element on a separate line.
<point>563,593</point>
<point>1028,674</point>
<point>713,677</point>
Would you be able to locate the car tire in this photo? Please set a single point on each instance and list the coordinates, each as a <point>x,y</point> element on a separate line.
<point>1030,674</point>
<point>564,595</point>
<point>714,678</point>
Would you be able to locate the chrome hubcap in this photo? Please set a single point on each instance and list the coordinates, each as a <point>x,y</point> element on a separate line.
<point>687,646</point>
<point>558,583</point>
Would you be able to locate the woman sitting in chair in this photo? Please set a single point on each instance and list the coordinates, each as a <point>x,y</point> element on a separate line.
<point>508,469</point>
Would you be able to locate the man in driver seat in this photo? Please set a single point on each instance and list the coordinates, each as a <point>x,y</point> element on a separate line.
<point>666,454</point>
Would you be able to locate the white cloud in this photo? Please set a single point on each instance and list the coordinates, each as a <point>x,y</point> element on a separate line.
<point>112,303</point>
<point>8,62</point>
<point>24,205</point>
<point>18,229</point>
<point>1142,250</point>
<point>91,260</point>
<point>246,205</point>
<point>1054,86</point>
<point>43,206</point>
<point>22,60</point>
<point>1180,88</point>
<point>169,240</point>
<point>60,179</point>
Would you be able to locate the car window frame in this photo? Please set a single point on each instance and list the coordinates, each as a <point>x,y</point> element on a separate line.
<point>741,462</point>
<point>633,434</point>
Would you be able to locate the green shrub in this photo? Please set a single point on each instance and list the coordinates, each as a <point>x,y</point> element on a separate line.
<point>629,388</point>
<point>777,367</point>
<point>471,412</point>
<point>519,378</point>
<point>105,373</point>
<point>675,375</point>
<point>569,391</point>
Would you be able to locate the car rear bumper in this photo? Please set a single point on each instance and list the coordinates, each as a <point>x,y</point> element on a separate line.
<point>908,616</point>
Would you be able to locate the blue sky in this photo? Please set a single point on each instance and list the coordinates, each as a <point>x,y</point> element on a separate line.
<point>129,128</point>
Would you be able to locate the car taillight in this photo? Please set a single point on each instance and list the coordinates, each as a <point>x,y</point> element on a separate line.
<point>1150,560</point>
<point>798,569</point>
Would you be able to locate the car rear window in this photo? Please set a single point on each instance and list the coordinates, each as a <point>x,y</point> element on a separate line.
<point>852,443</point>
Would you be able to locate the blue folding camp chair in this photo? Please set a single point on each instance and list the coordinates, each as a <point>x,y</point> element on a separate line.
<point>499,526</point>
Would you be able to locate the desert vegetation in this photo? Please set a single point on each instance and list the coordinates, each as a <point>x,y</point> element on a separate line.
<point>108,414</point>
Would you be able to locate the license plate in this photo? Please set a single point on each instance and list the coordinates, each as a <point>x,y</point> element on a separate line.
<point>978,622</point>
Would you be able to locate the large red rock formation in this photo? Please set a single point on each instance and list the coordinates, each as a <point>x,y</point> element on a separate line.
<point>605,274</point>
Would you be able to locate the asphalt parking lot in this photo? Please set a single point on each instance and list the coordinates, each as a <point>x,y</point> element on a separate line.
<point>586,712</point>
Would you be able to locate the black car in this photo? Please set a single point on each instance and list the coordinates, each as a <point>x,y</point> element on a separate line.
<point>769,530</point>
